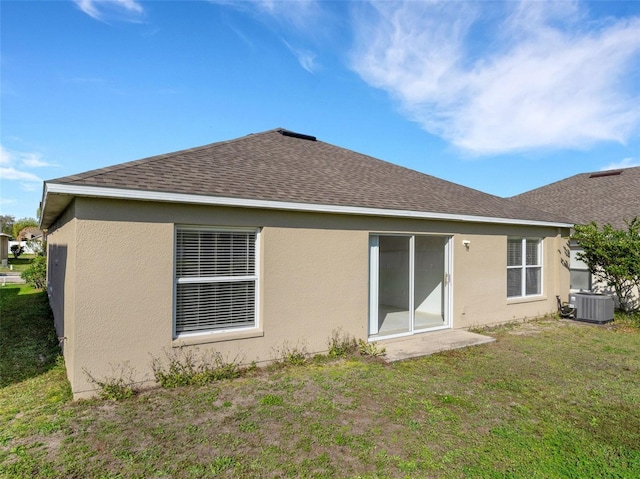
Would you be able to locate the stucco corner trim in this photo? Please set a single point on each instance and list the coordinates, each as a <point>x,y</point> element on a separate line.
<point>215,337</point>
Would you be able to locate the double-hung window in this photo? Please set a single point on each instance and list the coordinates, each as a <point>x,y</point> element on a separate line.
<point>580,276</point>
<point>216,281</point>
<point>524,267</point>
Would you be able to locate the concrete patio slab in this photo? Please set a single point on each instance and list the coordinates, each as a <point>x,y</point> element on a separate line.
<point>430,343</point>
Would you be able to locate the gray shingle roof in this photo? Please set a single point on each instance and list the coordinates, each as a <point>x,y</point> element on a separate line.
<point>602,196</point>
<point>278,166</point>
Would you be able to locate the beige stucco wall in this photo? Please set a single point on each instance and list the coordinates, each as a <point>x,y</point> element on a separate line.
<point>480,296</point>
<point>314,279</point>
<point>62,281</point>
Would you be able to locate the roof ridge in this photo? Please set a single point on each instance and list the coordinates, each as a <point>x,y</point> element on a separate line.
<point>586,175</point>
<point>621,169</point>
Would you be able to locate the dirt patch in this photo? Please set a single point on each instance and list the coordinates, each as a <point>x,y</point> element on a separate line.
<point>527,329</point>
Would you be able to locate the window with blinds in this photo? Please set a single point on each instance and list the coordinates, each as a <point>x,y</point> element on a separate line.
<point>216,280</point>
<point>524,267</point>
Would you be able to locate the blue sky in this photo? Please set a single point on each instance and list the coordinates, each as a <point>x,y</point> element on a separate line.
<point>501,97</point>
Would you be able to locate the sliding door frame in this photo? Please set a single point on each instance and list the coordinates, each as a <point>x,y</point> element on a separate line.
<point>374,284</point>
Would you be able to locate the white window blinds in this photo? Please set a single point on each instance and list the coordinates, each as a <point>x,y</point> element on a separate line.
<point>524,271</point>
<point>215,280</point>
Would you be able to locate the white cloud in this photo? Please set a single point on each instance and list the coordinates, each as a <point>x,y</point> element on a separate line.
<point>102,10</point>
<point>299,18</point>
<point>531,76</point>
<point>625,163</point>
<point>13,164</point>
<point>306,58</point>
<point>33,160</point>
<point>27,159</point>
<point>10,173</point>
<point>300,14</point>
<point>5,156</point>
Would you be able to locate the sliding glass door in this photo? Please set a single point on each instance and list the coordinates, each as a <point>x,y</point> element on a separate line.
<point>409,284</point>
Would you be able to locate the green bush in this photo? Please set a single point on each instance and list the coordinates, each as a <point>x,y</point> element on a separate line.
<point>36,272</point>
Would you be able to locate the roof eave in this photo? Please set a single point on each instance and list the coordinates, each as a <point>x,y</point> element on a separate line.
<point>52,205</point>
<point>57,196</point>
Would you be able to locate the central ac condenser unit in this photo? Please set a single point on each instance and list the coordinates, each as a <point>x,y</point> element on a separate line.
<point>592,307</point>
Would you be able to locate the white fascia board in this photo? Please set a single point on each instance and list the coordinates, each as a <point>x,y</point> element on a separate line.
<point>43,205</point>
<point>142,195</point>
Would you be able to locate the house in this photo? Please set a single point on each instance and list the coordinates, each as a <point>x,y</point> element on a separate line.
<point>243,245</point>
<point>30,239</point>
<point>610,196</point>
<point>29,233</point>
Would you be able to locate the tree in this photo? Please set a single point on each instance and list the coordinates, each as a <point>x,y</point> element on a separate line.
<point>6,224</point>
<point>22,223</point>
<point>613,256</point>
<point>16,250</point>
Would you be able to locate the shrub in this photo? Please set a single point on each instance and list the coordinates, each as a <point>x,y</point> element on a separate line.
<point>341,344</point>
<point>613,256</point>
<point>286,354</point>
<point>118,386</point>
<point>36,273</point>
<point>185,367</point>
<point>16,250</point>
<point>370,349</point>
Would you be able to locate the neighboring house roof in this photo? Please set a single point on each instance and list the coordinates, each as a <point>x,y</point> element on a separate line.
<point>29,233</point>
<point>285,170</point>
<point>611,196</point>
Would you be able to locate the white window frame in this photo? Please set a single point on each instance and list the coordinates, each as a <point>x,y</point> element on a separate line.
<point>216,279</point>
<point>576,265</point>
<point>523,266</point>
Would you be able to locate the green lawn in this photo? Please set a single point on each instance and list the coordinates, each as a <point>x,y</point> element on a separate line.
<point>19,264</point>
<point>548,399</point>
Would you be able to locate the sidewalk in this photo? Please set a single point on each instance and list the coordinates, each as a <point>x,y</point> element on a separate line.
<point>12,277</point>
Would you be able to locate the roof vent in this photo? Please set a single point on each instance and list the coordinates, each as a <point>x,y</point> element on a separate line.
<point>605,173</point>
<point>293,134</point>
